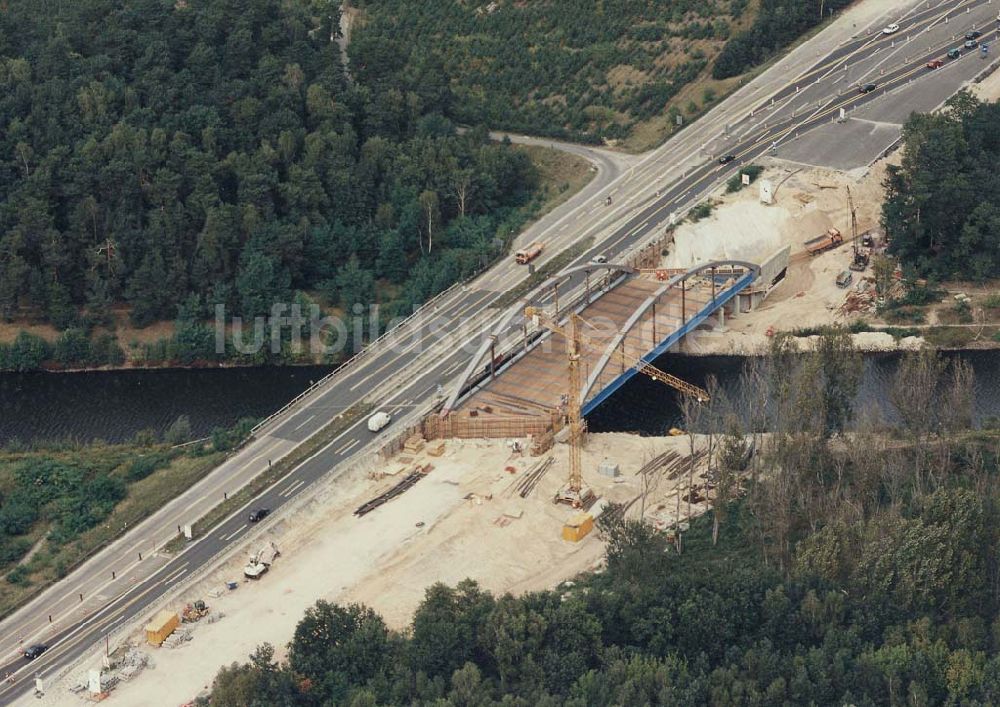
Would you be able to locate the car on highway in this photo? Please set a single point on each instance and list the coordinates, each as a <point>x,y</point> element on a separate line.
<point>32,652</point>
<point>726,159</point>
<point>954,53</point>
<point>379,421</point>
<point>935,64</point>
<point>599,259</point>
<point>259,515</point>
<point>867,88</point>
<point>974,34</point>
<point>890,29</point>
<point>971,44</point>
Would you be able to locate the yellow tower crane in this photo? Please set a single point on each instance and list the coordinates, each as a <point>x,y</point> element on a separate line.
<point>575,493</point>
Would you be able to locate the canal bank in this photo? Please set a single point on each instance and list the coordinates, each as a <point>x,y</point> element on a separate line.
<point>115,405</point>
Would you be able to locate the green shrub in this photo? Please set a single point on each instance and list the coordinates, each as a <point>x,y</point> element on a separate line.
<point>143,466</point>
<point>72,347</point>
<point>179,431</point>
<point>701,211</point>
<point>735,183</point>
<point>19,576</point>
<point>13,549</point>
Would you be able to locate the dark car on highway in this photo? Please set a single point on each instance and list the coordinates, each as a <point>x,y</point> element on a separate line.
<point>726,159</point>
<point>974,34</point>
<point>259,514</point>
<point>954,53</point>
<point>867,88</point>
<point>32,652</point>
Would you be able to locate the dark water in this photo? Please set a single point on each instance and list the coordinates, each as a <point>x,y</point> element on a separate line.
<point>114,405</point>
<point>648,407</point>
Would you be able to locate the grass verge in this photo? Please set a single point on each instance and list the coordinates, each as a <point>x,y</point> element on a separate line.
<point>48,561</point>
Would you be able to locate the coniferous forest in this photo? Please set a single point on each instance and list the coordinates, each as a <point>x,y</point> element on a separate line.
<point>174,156</point>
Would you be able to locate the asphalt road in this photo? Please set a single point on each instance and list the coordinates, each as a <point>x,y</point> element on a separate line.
<point>409,372</point>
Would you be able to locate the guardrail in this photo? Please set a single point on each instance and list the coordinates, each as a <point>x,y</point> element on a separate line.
<point>359,356</point>
<point>365,456</point>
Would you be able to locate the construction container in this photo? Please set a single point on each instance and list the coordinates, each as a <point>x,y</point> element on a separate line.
<point>606,468</point>
<point>161,626</point>
<point>578,527</point>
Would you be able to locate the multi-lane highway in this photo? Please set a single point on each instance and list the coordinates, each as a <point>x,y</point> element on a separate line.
<point>407,368</point>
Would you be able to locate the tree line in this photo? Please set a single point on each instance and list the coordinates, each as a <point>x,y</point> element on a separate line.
<point>941,211</point>
<point>161,155</point>
<point>847,562</point>
<point>777,24</point>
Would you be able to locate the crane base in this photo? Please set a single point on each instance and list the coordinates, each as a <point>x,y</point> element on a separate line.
<point>576,499</point>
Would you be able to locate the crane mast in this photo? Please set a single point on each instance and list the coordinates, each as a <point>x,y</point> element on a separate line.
<point>575,493</point>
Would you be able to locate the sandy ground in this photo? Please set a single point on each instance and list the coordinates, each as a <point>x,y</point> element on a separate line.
<point>807,202</point>
<point>988,89</point>
<point>462,520</point>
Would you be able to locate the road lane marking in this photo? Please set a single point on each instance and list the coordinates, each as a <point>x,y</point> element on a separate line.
<point>236,532</point>
<point>347,446</point>
<point>175,574</point>
<point>292,488</point>
<point>308,420</point>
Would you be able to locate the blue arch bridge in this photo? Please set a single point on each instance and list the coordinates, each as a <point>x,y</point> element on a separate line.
<point>517,382</point>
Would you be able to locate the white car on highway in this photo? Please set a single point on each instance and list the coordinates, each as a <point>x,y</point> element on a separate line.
<point>891,29</point>
<point>379,421</point>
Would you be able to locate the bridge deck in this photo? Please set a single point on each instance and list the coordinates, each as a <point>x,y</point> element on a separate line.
<point>536,384</point>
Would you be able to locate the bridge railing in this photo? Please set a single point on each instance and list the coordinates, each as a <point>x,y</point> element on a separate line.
<point>357,358</point>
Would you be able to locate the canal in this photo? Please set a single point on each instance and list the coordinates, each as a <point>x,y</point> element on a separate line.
<point>115,405</point>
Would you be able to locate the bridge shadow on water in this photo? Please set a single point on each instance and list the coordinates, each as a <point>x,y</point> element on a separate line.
<point>648,407</point>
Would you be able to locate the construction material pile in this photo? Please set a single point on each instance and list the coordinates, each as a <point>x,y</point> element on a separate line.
<point>527,483</point>
<point>177,638</point>
<point>671,463</point>
<point>408,482</point>
<point>132,662</point>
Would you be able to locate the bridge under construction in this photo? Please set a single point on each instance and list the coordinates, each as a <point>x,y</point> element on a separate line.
<point>621,329</point>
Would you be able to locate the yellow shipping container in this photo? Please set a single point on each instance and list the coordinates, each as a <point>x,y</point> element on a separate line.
<point>577,528</point>
<point>161,626</point>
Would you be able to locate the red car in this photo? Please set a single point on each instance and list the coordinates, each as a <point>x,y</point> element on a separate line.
<point>935,64</point>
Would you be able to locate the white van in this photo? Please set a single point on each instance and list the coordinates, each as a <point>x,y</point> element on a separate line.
<point>379,421</point>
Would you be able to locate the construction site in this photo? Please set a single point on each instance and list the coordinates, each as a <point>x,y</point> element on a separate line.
<point>504,485</point>
<point>456,509</point>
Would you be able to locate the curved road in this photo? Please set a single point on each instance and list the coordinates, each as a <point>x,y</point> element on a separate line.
<point>406,368</point>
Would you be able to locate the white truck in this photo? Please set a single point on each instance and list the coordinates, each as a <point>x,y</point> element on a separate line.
<point>379,421</point>
<point>260,561</point>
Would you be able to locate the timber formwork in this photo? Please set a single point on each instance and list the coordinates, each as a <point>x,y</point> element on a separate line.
<point>530,396</point>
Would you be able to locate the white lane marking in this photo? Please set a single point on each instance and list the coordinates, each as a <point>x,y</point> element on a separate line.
<point>308,419</point>
<point>236,532</point>
<point>347,446</point>
<point>176,573</point>
<point>293,488</point>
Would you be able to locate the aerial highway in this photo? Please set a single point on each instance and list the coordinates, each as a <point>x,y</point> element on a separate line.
<point>406,368</point>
